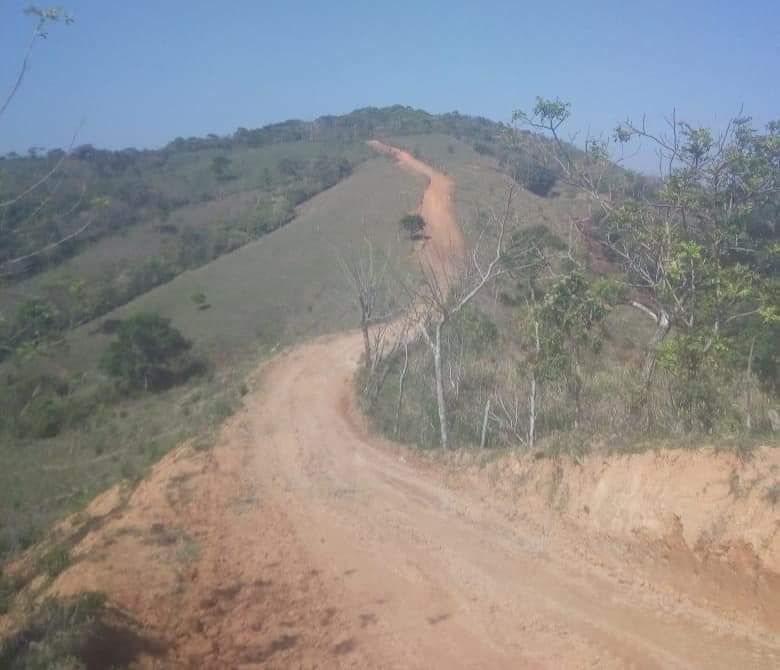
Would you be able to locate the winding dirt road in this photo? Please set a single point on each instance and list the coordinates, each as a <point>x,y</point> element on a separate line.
<point>323,546</point>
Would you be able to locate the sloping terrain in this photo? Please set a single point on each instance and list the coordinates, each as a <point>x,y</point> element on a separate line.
<point>301,540</point>
<point>286,284</point>
<point>262,297</point>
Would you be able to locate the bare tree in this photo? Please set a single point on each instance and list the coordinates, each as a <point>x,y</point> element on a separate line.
<point>443,298</point>
<point>366,271</point>
<point>401,382</point>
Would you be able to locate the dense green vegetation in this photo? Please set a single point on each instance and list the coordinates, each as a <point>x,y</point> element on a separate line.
<point>148,353</point>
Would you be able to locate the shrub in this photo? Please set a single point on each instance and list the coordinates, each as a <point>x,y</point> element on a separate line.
<point>149,353</point>
<point>484,149</point>
<point>413,224</point>
<point>537,178</point>
<point>35,405</point>
<point>43,417</point>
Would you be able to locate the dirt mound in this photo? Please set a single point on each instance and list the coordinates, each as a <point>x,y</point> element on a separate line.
<point>207,564</point>
<point>704,521</point>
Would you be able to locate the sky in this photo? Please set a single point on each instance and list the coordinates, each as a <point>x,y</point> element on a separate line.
<point>141,73</point>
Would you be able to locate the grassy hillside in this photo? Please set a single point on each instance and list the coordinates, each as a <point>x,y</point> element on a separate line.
<point>145,216</point>
<point>486,342</point>
<point>286,285</point>
<point>265,295</point>
<point>481,183</point>
<point>240,285</point>
<point>228,198</point>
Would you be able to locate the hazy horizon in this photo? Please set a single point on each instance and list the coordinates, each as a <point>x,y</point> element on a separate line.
<point>141,75</point>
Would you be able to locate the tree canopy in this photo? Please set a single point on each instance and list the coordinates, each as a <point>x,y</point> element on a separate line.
<point>148,352</point>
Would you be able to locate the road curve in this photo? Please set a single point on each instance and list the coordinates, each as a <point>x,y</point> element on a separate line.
<point>450,584</point>
<point>302,540</point>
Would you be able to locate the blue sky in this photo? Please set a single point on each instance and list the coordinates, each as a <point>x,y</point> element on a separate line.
<point>141,73</point>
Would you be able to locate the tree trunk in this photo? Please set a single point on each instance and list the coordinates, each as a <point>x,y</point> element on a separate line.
<point>532,412</point>
<point>442,407</point>
<point>532,394</point>
<point>577,381</point>
<point>483,439</point>
<point>661,331</point>
<point>748,383</point>
<point>401,381</point>
<point>366,343</point>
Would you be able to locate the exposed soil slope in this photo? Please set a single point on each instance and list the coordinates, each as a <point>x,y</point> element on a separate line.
<point>301,540</point>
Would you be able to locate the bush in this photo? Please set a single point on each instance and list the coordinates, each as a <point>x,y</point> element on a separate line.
<point>149,353</point>
<point>44,417</point>
<point>413,224</point>
<point>537,178</point>
<point>34,406</point>
<point>484,149</point>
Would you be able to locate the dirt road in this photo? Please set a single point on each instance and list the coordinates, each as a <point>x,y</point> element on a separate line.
<point>444,247</point>
<point>319,545</point>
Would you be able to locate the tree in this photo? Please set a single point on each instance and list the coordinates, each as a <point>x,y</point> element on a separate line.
<point>367,275</point>
<point>697,249</point>
<point>149,353</point>
<point>414,225</point>
<point>561,311</point>
<point>564,323</point>
<point>442,297</point>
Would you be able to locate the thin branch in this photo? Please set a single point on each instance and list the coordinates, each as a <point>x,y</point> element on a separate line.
<point>47,176</point>
<point>23,69</point>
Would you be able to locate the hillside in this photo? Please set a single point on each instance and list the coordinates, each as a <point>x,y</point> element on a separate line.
<point>301,538</point>
<point>59,410</point>
<point>143,217</point>
<point>266,295</point>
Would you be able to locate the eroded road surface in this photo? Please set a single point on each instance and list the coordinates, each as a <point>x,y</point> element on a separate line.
<point>321,545</point>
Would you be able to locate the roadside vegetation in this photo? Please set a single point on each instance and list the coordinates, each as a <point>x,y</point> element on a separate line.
<point>650,315</point>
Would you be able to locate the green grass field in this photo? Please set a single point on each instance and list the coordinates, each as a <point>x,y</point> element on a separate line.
<point>284,286</point>
<point>268,294</point>
<point>187,176</point>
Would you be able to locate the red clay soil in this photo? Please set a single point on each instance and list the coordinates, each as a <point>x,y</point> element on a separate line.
<point>303,541</point>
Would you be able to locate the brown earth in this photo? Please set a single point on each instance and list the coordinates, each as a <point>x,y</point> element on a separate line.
<point>301,540</point>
